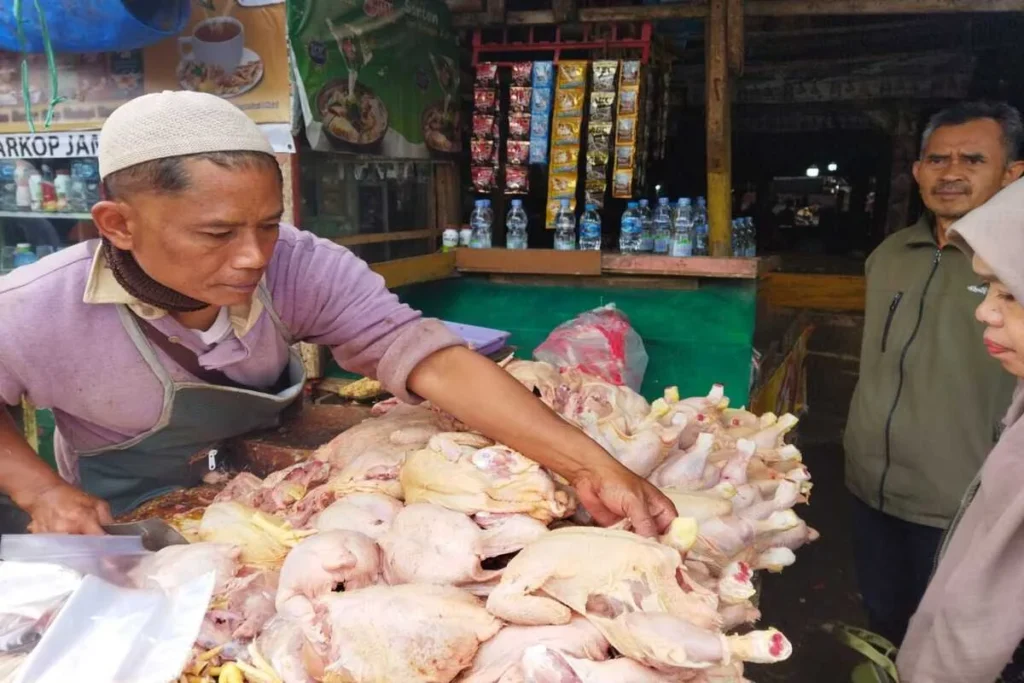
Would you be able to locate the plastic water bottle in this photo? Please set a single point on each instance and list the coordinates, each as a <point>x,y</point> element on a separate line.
<point>700,228</point>
<point>23,255</point>
<point>647,223</point>
<point>631,230</point>
<point>489,217</point>
<point>682,230</point>
<point>737,237</point>
<point>751,235</point>
<point>661,226</point>
<point>515,226</point>
<point>480,223</point>
<point>590,229</point>
<point>565,228</point>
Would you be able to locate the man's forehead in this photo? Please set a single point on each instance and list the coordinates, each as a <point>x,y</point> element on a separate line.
<point>977,135</point>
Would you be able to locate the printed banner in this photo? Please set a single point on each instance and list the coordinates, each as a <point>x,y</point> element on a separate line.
<point>236,51</point>
<point>49,145</point>
<point>378,77</point>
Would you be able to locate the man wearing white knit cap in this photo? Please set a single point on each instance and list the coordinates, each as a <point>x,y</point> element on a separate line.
<point>173,331</point>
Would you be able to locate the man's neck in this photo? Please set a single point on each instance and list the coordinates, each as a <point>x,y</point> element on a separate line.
<point>942,226</point>
<point>202,319</point>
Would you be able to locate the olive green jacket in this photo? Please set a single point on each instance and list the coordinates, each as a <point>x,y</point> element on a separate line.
<point>929,401</point>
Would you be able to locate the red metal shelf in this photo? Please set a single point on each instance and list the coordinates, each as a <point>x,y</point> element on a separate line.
<point>643,43</point>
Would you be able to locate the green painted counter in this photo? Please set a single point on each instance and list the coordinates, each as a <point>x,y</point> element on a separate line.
<point>694,337</point>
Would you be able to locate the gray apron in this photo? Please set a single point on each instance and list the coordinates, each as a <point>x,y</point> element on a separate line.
<point>195,416</point>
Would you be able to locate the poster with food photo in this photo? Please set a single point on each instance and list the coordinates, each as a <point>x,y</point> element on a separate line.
<point>378,77</point>
<point>235,49</point>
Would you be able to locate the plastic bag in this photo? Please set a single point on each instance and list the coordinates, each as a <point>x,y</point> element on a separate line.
<point>32,594</point>
<point>601,343</point>
<point>107,633</point>
<point>109,557</point>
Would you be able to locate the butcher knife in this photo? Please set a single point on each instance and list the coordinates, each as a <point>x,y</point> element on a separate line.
<point>156,533</point>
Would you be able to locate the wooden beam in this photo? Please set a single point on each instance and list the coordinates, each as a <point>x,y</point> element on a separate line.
<point>792,8</point>
<point>696,266</point>
<point>719,132</point>
<point>378,237</point>
<point>697,9</point>
<point>564,10</point>
<point>496,11</point>
<point>408,271</point>
<point>818,292</point>
<point>532,262</point>
<point>735,38</point>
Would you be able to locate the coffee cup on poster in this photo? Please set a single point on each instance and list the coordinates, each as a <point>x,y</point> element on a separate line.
<point>218,41</point>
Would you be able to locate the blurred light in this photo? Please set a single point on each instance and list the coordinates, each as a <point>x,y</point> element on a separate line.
<point>833,167</point>
<point>657,189</point>
<point>812,172</point>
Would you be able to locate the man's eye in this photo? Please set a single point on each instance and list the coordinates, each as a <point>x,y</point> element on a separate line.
<point>218,235</point>
<point>983,288</point>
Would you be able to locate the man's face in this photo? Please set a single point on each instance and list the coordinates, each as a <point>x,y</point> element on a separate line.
<point>962,167</point>
<point>213,241</point>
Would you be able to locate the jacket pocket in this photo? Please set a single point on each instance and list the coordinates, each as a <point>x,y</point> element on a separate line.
<point>888,320</point>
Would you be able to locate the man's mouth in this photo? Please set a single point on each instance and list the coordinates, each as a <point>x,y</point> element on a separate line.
<point>244,287</point>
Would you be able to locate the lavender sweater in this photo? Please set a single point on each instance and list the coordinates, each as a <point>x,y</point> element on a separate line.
<point>77,359</point>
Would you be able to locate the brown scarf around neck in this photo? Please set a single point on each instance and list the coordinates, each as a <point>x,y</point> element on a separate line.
<point>129,274</point>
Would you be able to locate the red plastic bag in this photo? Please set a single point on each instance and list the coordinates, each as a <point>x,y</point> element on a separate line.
<point>601,343</point>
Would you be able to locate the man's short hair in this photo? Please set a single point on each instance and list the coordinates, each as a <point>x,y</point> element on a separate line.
<point>169,175</point>
<point>1006,116</point>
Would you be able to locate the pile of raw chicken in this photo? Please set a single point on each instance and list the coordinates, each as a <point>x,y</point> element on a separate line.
<point>411,549</point>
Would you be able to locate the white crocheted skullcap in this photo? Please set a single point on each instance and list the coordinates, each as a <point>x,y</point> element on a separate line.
<point>173,124</point>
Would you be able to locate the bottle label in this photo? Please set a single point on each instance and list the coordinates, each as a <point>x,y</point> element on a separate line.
<point>631,227</point>
<point>682,248</point>
<point>590,230</point>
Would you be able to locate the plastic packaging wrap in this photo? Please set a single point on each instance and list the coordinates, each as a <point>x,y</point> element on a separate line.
<point>601,343</point>
<point>32,594</point>
<point>120,634</point>
<point>109,557</point>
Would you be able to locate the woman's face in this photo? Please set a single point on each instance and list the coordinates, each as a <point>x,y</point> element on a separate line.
<point>1003,317</point>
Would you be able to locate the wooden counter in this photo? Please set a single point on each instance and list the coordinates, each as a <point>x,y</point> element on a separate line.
<point>593,263</point>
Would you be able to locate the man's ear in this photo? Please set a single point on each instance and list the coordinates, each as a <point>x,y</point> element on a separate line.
<point>1013,172</point>
<point>916,169</point>
<point>111,219</point>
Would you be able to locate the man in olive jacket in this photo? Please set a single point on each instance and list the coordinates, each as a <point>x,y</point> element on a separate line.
<point>928,404</point>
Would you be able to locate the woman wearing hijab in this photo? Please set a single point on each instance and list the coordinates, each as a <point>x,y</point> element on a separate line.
<point>971,620</point>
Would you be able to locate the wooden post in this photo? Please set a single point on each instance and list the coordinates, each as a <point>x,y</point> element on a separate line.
<point>719,131</point>
<point>735,38</point>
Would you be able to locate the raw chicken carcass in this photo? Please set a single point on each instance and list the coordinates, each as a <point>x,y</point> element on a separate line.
<point>431,544</point>
<point>466,472</point>
<point>666,642</point>
<point>724,540</point>
<point>281,643</point>
<point>176,565</point>
<point>552,386</point>
<point>283,488</point>
<point>318,565</point>
<point>413,633</point>
<point>602,574</point>
<point>368,513</point>
<point>245,488</point>
<point>264,539</point>
<point>504,651</point>
<point>688,470</point>
<point>544,664</point>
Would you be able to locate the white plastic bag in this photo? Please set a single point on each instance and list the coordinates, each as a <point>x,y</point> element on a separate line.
<point>109,634</point>
<point>109,557</point>
<point>31,596</point>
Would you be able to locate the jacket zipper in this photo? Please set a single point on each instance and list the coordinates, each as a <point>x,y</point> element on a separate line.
<point>892,314</point>
<point>899,385</point>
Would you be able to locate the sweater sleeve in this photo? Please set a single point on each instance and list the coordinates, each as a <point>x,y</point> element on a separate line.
<point>326,295</point>
<point>971,634</point>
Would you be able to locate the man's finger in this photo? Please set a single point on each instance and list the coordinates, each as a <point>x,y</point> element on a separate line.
<point>643,523</point>
<point>103,512</point>
<point>90,526</point>
<point>597,509</point>
<point>664,511</point>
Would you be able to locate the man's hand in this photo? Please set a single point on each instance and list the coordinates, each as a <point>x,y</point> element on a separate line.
<point>64,509</point>
<point>619,494</point>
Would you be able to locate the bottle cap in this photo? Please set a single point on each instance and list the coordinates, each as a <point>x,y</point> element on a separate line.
<point>631,205</point>
<point>517,203</point>
<point>591,206</point>
<point>24,245</point>
<point>565,203</point>
<point>644,202</point>
<point>684,201</point>
<point>663,201</point>
<point>478,203</point>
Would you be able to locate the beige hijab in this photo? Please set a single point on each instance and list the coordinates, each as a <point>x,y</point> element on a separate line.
<point>971,619</point>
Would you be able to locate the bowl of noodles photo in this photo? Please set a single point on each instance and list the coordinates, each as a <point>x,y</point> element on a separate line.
<point>442,129</point>
<point>352,115</point>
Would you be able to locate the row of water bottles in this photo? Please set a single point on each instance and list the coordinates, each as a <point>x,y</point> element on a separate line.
<point>680,230</point>
<point>744,237</point>
<point>482,220</point>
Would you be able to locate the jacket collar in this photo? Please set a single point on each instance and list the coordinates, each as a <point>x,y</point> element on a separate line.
<point>922,233</point>
<point>103,288</point>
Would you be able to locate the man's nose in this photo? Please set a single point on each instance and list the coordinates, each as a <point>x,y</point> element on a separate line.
<point>249,253</point>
